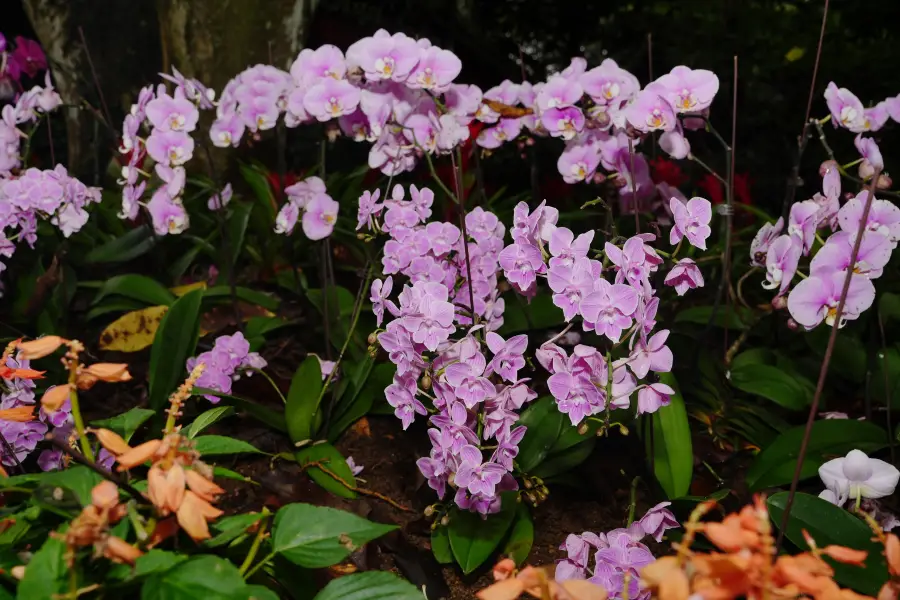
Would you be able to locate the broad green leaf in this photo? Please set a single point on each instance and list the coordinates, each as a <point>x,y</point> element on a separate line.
<point>559,462</point>
<point>45,574</point>
<point>373,585</point>
<point>331,459</point>
<point>230,528</point>
<point>136,287</point>
<point>440,545</point>
<point>208,418</point>
<point>237,227</point>
<point>133,331</point>
<point>731,319</point>
<point>521,537</point>
<point>214,445</point>
<point>754,356</point>
<point>771,383</point>
<point>372,392</point>
<point>673,455</point>
<point>887,362</point>
<point>263,299</point>
<point>260,592</point>
<point>849,352</point>
<point>303,400</point>
<point>775,465</point>
<point>261,190</point>
<point>126,423</point>
<point>114,305</point>
<point>126,247</point>
<point>208,577</point>
<point>544,422</point>
<point>264,415</point>
<point>473,539</point>
<point>541,313</point>
<point>155,561</point>
<point>318,536</point>
<point>175,342</point>
<point>830,524</point>
<point>229,474</point>
<point>79,479</point>
<point>889,307</point>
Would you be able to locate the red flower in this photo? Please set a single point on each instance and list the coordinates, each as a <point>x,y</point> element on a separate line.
<point>278,184</point>
<point>715,191</point>
<point>663,169</point>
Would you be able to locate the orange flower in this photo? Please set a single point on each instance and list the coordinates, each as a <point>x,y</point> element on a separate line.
<point>193,514</point>
<point>112,441</point>
<point>581,589</point>
<point>10,373</point>
<point>164,529</point>
<point>508,589</point>
<point>209,491</point>
<point>729,535</point>
<point>105,495</point>
<point>846,555</point>
<point>892,553</point>
<point>110,372</point>
<point>20,414</point>
<point>40,347</point>
<point>118,550</point>
<point>55,397</point>
<point>138,455</point>
<point>668,579</point>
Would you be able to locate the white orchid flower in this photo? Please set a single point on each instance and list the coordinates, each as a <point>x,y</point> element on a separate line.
<point>857,476</point>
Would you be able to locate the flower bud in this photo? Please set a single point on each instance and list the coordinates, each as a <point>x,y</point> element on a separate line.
<point>528,484</point>
<point>373,339</point>
<point>793,325</point>
<point>445,520</point>
<point>105,495</point>
<point>884,182</point>
<point>426,382</point>
<point>118,550</point>
<point>112,441</point>
<point>55,397</point>
<point>582,429</point>
<point>429,511</point>
<point>827,166</point>
<point>112,372</point>
<point>40,347</point>
<point>18,572</point>
<point>779,302</point>
<point>19,414</point>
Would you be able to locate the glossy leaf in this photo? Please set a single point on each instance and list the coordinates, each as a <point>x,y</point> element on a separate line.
<point>133,331</point>
<point>521,537</point>
<point>263,299</point>
<point>45,573</point>
<point>136,287</point>
<point>237,227</point>
<point>263,414</point>
<point>373,585</point>
<point>518,316</point>
<point>206,419</point>
<point>303,400</point>
<point>230,528</point>
<point>673,455</point>
<point>208,577</point>
<point>558,463</point>
<point>126,423</point>
<point>213,445</point>
<point>771,383</point>
<point>124,248</point>
<point>318,536</point>
<point>473,539</point>
<point>774,466</point>
<point>440,545</point>
<point>331,459</point>
<point>78,478</point>
<point>175,342</point>
<point>544,422</point>
<point>731,319</point>
<point>830,524</point>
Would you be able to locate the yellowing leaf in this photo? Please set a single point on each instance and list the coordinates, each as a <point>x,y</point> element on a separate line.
<point>181,290</point>
<point>133,331</point>
<point>794,54</point>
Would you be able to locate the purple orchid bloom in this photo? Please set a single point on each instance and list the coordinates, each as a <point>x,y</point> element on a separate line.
<point>575,396</point>
<point>608,309</point>
<point>168,215</point>
<point>401,395</point>
<point>578,162</point>
<point>657,520</point>
<point>609,85</point>
<point>675,144</point>
<point>571,283</point>
<point>326,61</point>
<point>689,90</point>
<point>508,446</point>
<point>874,253</point>
<point>521,263</point>
<point>474,475</point>
<point>508,356</point>
<point>650,111</point>
<point>803,222</point>
<point>884,217</point>
<point>319,217</point>
<point>816,299</point>
<point>386,57</point>
<point>871,156</point>
<point>846,109</point>
<point>173,148</point>
<point>691,221</point>
<point>653,397</point>
<point>435,70</point>
<point>782,259</point>
<point>685,275</point>
<point>172,114</point>
<point>652,355</point>
<point>331,98</point>
<point>380,292</point>
<point>566,248</point>
<point>368,208</point>
<point>506,130</point>
<point>759,247</point>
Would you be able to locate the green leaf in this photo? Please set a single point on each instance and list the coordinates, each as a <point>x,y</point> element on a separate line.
<point>730,319</point>
<point>518,316</point>
<point>771,383</point>
<point>264,415</point>
<point>230,528</point>
<point>303,400</point>
<point>215,445</point>
<point>754,356</point>
<point>262,299</point>
<point>261,190</point>
<point>673,454</point>
<point>889,307</point>
<point>126,423</point>
<point>521,538</point>
<point>849,352</point>
<point>155,561</point>
<point>229,474</point>
<point>440,545</point>
<point>237,227</point>
<point>544,422</point>
<point>175,342</point>
<point>318,536</point>
<point>830,524</point>
<point>332,460</point>
<point>45,573</point>
<point>347,413</point>
<point>473,539</point>
<point>136,242</point>
<point>79,479</point>
<point>207,577</point>
<point>373,585</point>
<point>887,373</point>
<point>208,418</point>
<point>775,465</point>
<point>559,462</point>
<point>136,287</point>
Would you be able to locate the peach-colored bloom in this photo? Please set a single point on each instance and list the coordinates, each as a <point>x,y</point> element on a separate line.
<point>40,347</point>
<point>581,589</point>
<point>138,455</point>
<point>112,441</point>
<point>846,555</point>
<point>110,372</point>
<point>193,514</point>
<point>118,550</point>
<point>20,414</point>
<point>10,373</point>
<point>202,486</point>
<point>55,397</point>
<point>105,495</point>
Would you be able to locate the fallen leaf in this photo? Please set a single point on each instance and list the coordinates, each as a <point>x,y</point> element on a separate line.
<point>181,290</point>
<point>361,428</point>
<point>133,331</point>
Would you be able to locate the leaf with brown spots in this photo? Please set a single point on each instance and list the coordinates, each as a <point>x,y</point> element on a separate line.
<point>133,331</point>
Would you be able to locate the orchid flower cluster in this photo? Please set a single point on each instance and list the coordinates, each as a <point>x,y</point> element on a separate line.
<point>618,555</point>
<point>33,194</point>
<point>229,358</point>
<point>477,395</point>
<point>22,57</point>
<point>815,299</point>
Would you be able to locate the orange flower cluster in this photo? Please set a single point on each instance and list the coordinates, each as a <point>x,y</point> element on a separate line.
<point>178,482</point>
<point>747,566</point>
<point>91,527</point>
<point>7,372</point>
<point>891,588</point>
<point>538,583</point>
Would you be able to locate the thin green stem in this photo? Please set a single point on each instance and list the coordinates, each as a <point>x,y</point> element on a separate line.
<point>708,169</point>
<point>79,423</point>
<point>257,542</point>
<point>271,381</point>
<point>633,505</point>
<point>259,565</point>
<point>437,179</point>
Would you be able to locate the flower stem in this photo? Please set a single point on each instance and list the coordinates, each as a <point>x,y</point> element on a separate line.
<point>73,363</point>
<point>631,507</point>
<point>259,565</point>
<point>271,381</point>
<point>257,542</point>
